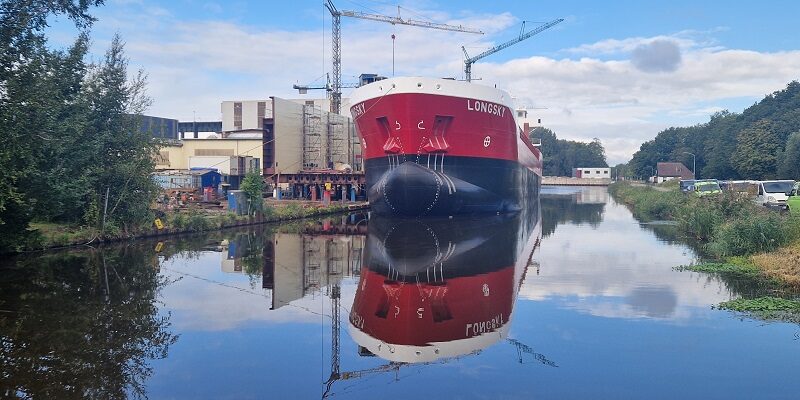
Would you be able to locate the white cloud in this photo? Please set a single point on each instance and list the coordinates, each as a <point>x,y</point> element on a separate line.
<point>591,90</point>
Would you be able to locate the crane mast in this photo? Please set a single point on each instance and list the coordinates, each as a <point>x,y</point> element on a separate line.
<point>336,46</point>
<point>522,36</point>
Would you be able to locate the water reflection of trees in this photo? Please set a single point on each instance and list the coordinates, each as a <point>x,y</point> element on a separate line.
<point>560,209</point>
<point>81,324</point>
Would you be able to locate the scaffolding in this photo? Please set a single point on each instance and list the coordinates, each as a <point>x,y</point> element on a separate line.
<point>312,137</point>
<point>338,141</point>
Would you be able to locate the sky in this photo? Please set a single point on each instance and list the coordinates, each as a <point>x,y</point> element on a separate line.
<point>619,71</point>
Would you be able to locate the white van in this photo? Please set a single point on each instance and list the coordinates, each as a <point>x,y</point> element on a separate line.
<point>774,192</point>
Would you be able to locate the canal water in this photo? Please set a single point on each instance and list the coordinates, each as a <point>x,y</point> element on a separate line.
<point>573,299</point>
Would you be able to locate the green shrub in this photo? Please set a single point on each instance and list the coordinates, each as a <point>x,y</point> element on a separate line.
<point>646,202</point>
<point>198,223</point>
<point>229,218</point>
<point>699,219</point>
<point>750,234</point>
<point>179,221</point>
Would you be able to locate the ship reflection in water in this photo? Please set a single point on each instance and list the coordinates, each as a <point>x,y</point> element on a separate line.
<point>427,290</point>
<point>436,289</point>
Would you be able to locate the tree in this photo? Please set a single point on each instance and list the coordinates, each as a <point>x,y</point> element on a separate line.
<point>757,151</point>
<point>253,187</point>
<point>723,141</point>
<point>36,86</point>
<point>561,156</point>
<point>119,158</point>
<point>790,163</point>
<point>621,171</point>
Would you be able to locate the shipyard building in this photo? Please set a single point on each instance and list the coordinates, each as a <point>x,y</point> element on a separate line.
<point>301,150</point>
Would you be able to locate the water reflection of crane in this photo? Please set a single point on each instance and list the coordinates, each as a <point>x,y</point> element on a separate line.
<point>522,348</point>
<point>336,374</point>
<point>393,366</point>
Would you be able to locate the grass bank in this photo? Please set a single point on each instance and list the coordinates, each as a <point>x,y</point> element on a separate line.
<point>47,235</point>
<point>730,228</point>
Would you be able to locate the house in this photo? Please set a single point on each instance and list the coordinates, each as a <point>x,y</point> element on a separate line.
<point>666,171</point>
<point>592,173</point>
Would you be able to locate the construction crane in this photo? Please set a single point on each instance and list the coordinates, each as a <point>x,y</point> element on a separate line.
<point>335,87</point>
<point>522,36</point>
<point>303,89</point>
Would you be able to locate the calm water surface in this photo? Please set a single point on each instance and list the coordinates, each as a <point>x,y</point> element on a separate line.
<point>574,299</point>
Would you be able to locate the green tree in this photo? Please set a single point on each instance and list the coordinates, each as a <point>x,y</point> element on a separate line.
<point>717,143</point>
<point>757,151</point>
<point>790,163</point>
<point>253,187</point>
<point>561,156</point>
<point>119,158</point>
<point>36,86</point>
<point>621,171</point>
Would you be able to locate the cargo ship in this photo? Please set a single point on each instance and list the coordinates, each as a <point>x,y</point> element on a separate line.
<point>439,288</point>
<point>440,147</point>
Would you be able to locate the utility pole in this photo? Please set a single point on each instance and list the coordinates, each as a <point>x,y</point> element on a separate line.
<point>694,171</point>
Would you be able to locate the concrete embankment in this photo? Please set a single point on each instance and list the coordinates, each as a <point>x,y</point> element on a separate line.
<point>567,181</point>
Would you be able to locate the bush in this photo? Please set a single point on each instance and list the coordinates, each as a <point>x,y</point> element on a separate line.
<point>646,202</point>
<point>750,234</point>
<point>179,221</point>
<point>198,223</point>
<point>699,217</point>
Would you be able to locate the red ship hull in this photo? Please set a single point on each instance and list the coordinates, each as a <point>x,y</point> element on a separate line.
<point>441,147</point>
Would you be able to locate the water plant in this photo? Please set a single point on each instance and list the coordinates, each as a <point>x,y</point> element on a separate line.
<point>765,307</point>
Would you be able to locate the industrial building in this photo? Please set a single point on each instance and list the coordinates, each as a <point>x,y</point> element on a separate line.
<point>196,127</point>
<point>247,116</point>
<point>164,128</point>
<point>306,148</point>
<point>303,151</point>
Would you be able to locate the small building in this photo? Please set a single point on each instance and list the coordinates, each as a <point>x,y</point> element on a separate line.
<point>591,173</point>
<point>667,171</point>
<point>188,179</point>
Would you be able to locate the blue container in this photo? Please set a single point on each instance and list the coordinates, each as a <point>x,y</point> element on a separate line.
<point>237,202</point>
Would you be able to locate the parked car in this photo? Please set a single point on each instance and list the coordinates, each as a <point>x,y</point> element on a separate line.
<point>793,202</point>
<point>774,193</point>
<point>687,185</point>
<point>706,187</point>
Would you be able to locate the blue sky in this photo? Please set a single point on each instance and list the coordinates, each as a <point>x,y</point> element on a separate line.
<point>619,71</point>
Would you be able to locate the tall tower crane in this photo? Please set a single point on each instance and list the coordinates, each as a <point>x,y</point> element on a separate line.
<point>522,36</point>
<point>335,87</point>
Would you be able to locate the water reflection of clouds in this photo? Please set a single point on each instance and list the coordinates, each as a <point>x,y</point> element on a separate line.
<point>206,299</point>
<point>619,270</point>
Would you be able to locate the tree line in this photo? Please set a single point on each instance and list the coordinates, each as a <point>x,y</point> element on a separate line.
<point>561,156</point>
<point>72,150</point>
<point>763,142</point>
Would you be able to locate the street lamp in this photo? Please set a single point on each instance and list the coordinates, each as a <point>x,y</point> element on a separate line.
<point>694,172</point>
